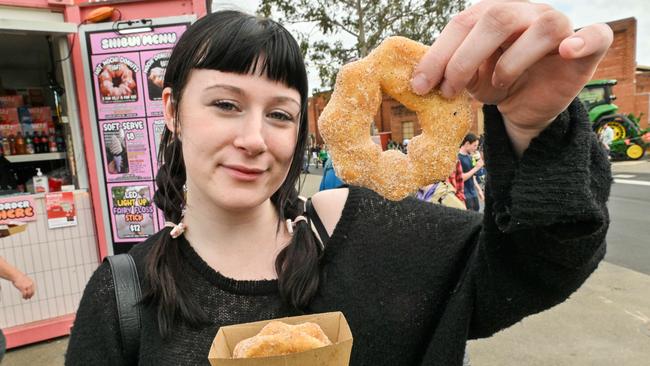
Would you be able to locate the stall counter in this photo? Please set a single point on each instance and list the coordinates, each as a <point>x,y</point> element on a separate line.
<point>60,261</point>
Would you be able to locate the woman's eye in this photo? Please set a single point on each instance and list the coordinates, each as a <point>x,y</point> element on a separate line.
<point>282,116</point>
<point>226,105</point>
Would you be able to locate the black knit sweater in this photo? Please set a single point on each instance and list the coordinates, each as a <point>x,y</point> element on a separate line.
<point>414,280</point>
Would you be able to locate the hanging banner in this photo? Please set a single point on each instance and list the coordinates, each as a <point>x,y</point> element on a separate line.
<point>61,211</point>
<point>17,208</point>
<point>126,74</point>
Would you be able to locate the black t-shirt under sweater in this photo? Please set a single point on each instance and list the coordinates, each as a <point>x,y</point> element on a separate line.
<point>414,280</point>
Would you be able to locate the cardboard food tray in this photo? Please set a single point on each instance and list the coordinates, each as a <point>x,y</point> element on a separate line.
<point>333,324</point>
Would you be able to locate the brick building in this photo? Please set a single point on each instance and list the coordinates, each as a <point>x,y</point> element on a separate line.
<point>632,90</point>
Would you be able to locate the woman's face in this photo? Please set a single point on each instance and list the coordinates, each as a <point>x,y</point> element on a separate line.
<point>238,133</point>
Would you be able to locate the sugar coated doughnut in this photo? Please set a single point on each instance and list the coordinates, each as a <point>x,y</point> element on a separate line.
<point>278,338</point>
<point>345,123</point>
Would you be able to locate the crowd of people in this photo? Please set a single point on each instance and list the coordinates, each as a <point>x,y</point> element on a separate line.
<point>316,155</point>
<point>464,188</point>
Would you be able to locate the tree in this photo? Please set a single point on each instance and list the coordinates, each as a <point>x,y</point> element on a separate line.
<point>365,23</point>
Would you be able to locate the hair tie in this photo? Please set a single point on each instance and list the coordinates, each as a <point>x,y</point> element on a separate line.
<point>177,229</point>
<point>291,225</point>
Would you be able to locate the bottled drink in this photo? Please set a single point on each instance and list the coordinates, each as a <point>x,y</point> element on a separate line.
<point>60,142</point>
<point>45,143</point>
<point>12,145</point>
<point>53,145</point>
<point>29,144</point>
<point>20,144</point>
<point>37,142</point>
<point>5,145</point>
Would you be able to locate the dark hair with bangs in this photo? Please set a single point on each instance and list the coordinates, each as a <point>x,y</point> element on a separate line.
<point>229,41</point>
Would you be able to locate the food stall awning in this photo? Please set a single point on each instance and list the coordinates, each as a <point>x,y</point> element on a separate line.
<point>29,20</point>
<point>8,25</point>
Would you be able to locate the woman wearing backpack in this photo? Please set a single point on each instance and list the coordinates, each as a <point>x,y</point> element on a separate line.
<point>414,280</point>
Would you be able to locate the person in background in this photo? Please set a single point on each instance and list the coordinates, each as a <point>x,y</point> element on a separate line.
<point>305,168</point>
<point>330,179</point>
<point>22,283</point>
<point>606,136</point>
<point>468,147</point>
<point>323,156</point>
<point>314,150</point>
<point>456,180</point>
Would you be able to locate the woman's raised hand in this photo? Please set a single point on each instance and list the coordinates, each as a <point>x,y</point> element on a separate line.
<point>523,57</point>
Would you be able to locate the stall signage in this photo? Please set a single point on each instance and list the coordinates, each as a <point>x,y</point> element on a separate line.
<point>132,210</point>
<point>18,208</point>
<point>126,147</point>
<point>113,42</point>
<point>126,72</point>
<point>61,210</point>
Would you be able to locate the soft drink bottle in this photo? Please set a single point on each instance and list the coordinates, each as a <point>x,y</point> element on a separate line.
<point>37,142</point>
<point>29,144</point>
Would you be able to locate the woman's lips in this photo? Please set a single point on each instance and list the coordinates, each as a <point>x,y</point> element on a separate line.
<point>243,173</point>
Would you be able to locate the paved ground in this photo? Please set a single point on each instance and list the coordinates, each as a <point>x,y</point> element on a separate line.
<point>607,322</point>
<point>628,237</point>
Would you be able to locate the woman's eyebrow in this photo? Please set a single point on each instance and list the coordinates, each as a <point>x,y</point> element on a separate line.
<point>230,88</point>
<point>280,99</point>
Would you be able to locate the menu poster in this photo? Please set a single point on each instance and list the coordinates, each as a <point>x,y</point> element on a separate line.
<point>154,64</point>
<point>118,86</point>
<point>132,211</point>
<point>60,208</point>
<point>156,129</point>
<point>17,208</point>
<point>125,145</point>
<point>126,74</point>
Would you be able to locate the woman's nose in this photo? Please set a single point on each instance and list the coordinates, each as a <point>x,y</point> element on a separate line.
<point>251,137</point>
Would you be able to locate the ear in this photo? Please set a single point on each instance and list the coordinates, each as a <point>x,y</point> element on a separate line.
<point>168,110</point>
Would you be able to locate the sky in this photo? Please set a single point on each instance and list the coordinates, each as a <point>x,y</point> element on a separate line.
<point>581,13</point>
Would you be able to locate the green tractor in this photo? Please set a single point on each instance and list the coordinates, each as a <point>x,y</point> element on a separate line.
<point>630,141</point>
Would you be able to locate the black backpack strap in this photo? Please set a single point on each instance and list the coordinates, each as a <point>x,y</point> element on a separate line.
<point>127,295</point>
<point>316,223</point>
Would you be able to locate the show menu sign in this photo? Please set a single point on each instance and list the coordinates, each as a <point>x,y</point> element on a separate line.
<point>127,74</point>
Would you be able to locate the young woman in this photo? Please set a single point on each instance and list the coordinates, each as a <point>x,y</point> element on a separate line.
<point>414,280</point>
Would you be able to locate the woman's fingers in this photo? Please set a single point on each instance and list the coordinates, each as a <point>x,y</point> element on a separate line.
<point>498,25</point>
<point>431,68</point>
<point>540,39</point>
<point>589,42</point>
<point>481,84</point>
